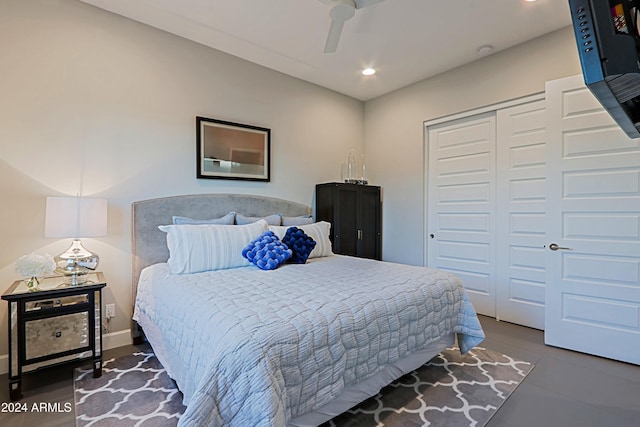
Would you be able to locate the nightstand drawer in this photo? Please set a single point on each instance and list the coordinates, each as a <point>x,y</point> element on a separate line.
<point>52,335</point>
<point>45,305</point>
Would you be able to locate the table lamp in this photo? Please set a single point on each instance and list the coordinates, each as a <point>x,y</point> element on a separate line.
<point>76,217</point>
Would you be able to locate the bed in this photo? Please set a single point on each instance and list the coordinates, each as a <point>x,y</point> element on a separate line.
<point>295,345</point>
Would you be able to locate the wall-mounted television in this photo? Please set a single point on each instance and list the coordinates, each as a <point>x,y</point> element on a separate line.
<point>608,38</point>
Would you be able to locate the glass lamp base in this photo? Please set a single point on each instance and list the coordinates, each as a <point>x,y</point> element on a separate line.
<point>75,278</point>
<point>76,262</point>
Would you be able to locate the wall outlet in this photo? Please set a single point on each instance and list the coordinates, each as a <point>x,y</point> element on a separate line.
<point>110,311</point>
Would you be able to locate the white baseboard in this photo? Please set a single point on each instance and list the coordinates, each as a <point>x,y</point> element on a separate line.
<point>116,339</point>
<point>4,364</point>
<point>109,341</point>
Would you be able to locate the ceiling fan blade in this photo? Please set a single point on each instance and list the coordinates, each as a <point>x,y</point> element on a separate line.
<point>366,3</point>
<point>334,36</point>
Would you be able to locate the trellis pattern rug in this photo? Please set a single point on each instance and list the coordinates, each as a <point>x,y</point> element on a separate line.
<point>451,390</point>
<point>133,390</point>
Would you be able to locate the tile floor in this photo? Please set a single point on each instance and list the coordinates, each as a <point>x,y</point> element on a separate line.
<point>565,389</point>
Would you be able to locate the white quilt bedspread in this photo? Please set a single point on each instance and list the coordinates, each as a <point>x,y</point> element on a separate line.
<point>249,347</point>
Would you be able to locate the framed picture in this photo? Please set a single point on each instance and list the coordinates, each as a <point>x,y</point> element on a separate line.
<point>227,150</point>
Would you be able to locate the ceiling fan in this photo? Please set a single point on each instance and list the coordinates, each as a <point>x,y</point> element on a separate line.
<point>340,12</point>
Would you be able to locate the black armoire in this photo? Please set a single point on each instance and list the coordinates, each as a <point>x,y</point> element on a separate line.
<point>355,213</point>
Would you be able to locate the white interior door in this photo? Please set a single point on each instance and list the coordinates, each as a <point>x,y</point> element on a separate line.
<point>461,204</point>
<point>521,198</point>
<point>593,181</point>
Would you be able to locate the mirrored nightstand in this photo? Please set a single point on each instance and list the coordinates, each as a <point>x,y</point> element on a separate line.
<point>57,323</point>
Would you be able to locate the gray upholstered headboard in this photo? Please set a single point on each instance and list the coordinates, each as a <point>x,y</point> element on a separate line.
<point>149,245</point>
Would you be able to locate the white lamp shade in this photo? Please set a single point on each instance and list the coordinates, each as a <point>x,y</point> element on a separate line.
<point>75,217</point>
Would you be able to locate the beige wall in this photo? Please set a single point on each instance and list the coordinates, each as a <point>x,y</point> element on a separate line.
<point>91,102</point>
<point>94,103</point>
<point>394,141</point>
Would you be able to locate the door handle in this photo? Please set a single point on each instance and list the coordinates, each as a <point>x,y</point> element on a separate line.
<point>556,247</point>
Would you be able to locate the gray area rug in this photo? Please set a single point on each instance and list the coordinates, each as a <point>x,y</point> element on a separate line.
<point>451,390</point>
<point>133,390</point>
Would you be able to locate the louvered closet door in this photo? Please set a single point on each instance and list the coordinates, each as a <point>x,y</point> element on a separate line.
<point>593,287</point>
<point>461,197</point>
<point>521,195</point>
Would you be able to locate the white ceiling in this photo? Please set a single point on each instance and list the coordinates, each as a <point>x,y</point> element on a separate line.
<point>405,40</point>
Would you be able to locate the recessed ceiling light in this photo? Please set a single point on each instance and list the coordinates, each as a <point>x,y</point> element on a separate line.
<point>368,72</point>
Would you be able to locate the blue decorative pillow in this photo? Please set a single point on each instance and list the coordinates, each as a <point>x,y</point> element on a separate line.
<point>267,252</point>
<point>300,243</point>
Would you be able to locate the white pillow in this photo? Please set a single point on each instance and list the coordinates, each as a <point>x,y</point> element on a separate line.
<point>204,247</point>
<point>318,231</point>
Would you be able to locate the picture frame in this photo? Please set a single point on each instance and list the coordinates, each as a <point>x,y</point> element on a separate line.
<point>227,150</point>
